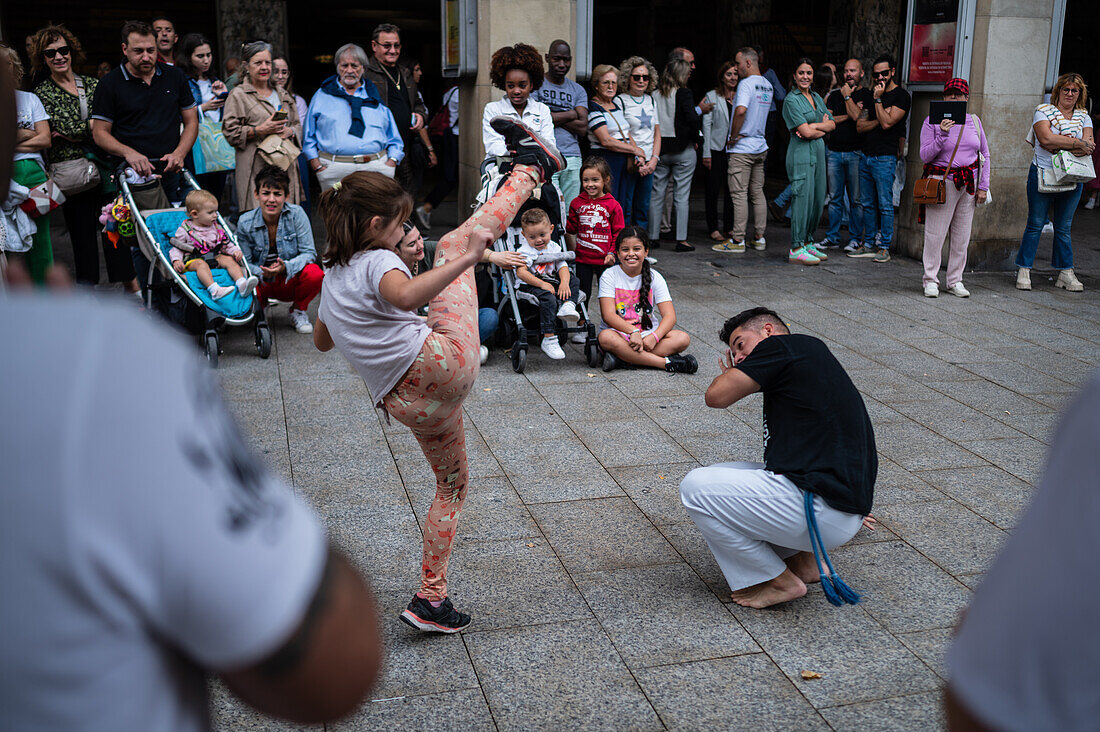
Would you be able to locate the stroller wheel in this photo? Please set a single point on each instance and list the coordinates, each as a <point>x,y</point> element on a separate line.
<point>211,349</point>
<point>263,340</point>
<point>519,357</point>
<point>592,352</point>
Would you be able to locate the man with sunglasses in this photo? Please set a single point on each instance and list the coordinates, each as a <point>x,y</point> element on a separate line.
<point>398,91</point>
<point>884,126</point>
<point>568,104</point>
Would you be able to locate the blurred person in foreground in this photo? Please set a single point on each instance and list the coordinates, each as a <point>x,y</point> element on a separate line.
<point>140,555</point>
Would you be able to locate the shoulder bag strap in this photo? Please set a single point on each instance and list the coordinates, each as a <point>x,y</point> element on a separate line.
<point>952,160</point>
<point>82,97</point>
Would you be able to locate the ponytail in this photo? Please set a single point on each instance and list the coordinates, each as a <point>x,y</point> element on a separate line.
<point>349,207</point>
<point>643,296</point>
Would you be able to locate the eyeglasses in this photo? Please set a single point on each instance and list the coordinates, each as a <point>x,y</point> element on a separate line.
<point>881,74</point>
<point>51,52</point>
<point>1071,91</point>
<point>640,77</point>
<point>390,46</point>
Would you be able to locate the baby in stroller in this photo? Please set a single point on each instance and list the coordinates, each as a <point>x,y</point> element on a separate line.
<point>549,282</point>
<point>201,243</point>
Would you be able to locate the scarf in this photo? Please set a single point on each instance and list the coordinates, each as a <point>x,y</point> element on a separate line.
<point>332,87</point>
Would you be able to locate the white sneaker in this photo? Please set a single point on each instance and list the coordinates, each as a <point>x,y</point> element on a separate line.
<point>760,244</point>
<point>581,338</point>
<point>1090,204</point>
<point>483,354</point>
<point>1048,228</point>
<point>1023,278</point>
<point>552,348</point>
<point>568,313</point>
<point>424,217</point>
<point>247,285</point>
<point>300,320</point>
<point>958,290</point>
<point>931,290</point>
<point>1068,281</point>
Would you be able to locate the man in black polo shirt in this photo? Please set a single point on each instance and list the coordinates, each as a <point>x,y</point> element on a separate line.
<point>398,91</point>
<point>817,438</point>
<point>843,151</point>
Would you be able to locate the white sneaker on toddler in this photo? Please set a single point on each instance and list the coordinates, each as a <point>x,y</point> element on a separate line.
<point>552,348</point>
<point>580,338</point>
<point>568,313</point>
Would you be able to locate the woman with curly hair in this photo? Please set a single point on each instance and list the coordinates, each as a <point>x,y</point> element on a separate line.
<point>517,71</point>
<point>637,80</point>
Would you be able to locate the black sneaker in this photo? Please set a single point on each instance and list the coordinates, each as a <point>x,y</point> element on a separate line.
<point>610,363</point>
<point>527,147</point>
<point>682,364</point>
<point>443,619</point>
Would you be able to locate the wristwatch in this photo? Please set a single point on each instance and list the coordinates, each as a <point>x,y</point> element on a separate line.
<point>847,97</point>
<point>878,101</point>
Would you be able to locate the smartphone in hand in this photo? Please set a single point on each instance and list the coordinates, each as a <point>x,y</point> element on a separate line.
<point>280,114</point>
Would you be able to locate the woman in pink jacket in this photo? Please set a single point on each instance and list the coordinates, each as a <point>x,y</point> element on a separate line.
<point>967,185</point>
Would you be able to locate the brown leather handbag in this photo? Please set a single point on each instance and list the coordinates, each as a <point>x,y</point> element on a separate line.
<point>930,190</point>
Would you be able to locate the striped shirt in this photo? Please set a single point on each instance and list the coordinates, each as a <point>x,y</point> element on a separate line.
<point>1059,125</point>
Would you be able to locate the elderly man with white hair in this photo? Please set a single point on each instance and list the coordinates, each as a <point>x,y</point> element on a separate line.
<point>348,127</point>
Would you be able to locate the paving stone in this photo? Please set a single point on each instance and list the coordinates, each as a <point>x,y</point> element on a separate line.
<point>1021,456</point>
<point>655,489</point>
<point>662,615</point>
<point>971,580</point>
<point>692,547</point>
<point>915,447</point>
<point>901,589</point>
<point>574,480</point>
<point>989,398</point>
<point>1036,426</point>
<point>558,676</point>
<point>856,657</point>
<point>895,484</point>
<point>931,647</point>
<point>493,510</point>
<point>455,710</point>
<point>956,421</point>
<point>591,400</point>
<point>605,533</point>
<point>227,712</point>
<point>946,532</point>
<point>687,415</point>
<point>914,713</point>
<point>699,695</point>
<point>993,494</point>
<point>629,441</point>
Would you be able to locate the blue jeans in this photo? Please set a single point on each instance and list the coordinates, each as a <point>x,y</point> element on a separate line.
<point>487,322</point>
<point>1058,208</point>
<point>844,172</point>
<point>637,190</point>
<point>876,188</point>
<point>783,200</point>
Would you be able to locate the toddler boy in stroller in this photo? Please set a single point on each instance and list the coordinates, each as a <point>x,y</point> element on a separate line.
<point>550,282</point>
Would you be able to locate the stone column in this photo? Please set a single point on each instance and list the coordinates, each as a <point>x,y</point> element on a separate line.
<point>1004,91</point>
<point>247,20</point>
<point>501,23</point>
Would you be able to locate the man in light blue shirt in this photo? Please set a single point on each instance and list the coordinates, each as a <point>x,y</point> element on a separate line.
<point>347,128</point>
<point>568,104</point>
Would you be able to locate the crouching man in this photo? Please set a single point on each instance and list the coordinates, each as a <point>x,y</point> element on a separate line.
<point>817,438</point>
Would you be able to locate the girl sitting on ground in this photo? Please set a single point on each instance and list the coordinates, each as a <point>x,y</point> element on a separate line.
<point>638,318</point>
<point>201,243</point>
<point>595,219</point>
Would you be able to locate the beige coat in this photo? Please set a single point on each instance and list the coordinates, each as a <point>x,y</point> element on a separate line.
<point>243,109</point>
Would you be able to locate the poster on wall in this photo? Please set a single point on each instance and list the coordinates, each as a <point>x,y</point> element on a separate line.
<point>932,44</point>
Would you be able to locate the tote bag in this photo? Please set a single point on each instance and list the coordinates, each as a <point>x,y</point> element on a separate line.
<point>212,152</point>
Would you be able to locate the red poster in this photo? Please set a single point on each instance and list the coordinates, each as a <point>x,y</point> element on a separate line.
<point>932,53</point>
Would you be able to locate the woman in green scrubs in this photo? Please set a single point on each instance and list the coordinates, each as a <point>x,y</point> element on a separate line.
<point>809,121</point>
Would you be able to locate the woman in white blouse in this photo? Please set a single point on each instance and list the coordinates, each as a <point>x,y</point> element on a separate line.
<point>517,71</point>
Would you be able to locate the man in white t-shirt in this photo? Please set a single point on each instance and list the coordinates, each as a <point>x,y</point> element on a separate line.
<point>140,554</point>
<point>748,150</point>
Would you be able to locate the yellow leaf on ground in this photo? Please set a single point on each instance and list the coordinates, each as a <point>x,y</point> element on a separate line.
<point>807,675</point>
<point>530,546</point>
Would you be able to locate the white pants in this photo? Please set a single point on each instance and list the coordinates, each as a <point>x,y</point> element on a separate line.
<point>334,171</point>
<point>753,519</point>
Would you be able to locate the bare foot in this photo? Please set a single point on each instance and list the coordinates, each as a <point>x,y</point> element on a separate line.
<point>784,588</point>
<point>804,567</point>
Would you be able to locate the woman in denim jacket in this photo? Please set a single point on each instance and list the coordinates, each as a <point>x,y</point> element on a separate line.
<point>277,241</point>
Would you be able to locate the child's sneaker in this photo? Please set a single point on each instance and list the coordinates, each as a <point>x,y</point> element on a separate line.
<point>802,256</point>
<point>443,619</point>
<point>580,337</point>
<point>247,285</point>
<point>527,147</point>
<point>552,348</point>
<point>610,362</point>
<point>217,292</point>
<point>681,364</point>
<point>568,313</point>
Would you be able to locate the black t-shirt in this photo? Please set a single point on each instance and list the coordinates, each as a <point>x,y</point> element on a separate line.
<point>398,102</point>
<point>816,429</point>
<point>885,142</point>
<point>144,116</point>
<point>845,138</point>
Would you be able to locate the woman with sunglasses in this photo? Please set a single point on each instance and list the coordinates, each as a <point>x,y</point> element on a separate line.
<point>1063,124</point>
<point>638,79</point>
<point>53,50</point>
<point>609,130</point>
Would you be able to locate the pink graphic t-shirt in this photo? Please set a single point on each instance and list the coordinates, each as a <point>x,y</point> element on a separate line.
<point>626,292</point>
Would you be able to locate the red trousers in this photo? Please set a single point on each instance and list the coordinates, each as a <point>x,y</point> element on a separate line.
<point>299,289</point>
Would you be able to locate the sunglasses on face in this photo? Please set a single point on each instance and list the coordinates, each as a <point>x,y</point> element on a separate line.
<point>51,52</point>
<point>881,74</point>
<point>390,46</point>
<point>640,77</point>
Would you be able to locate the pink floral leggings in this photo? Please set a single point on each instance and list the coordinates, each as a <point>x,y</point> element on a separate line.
<point>429,399</point>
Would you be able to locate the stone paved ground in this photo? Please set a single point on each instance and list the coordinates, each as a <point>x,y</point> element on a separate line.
<point>595,601</point>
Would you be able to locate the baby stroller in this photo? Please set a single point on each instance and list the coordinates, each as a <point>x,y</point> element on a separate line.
<point>154,228</point>
<point>518,310</point>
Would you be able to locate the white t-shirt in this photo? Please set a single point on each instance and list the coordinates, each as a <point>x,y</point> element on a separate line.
<point>206,91</point>
<point>451,100</point>
<point>1026,654</point>
<point>380,340</point>
<point>29,112</point>
<point>536,115</point>
<point>1059,126</point>
<point>136,545</point>
<point>641,113</point>
<point>529,253</point>
<point>627,293</point>
<point>754,93</point>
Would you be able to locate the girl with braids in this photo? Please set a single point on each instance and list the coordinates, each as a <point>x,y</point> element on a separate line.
<point>638,317</point>
<point>419,372</point>
<point>517,71</point>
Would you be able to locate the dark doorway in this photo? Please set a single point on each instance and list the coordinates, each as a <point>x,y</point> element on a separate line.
<point>1080,39</point>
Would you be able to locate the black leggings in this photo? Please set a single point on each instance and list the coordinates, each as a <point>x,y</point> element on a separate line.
<point>585,273</point>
